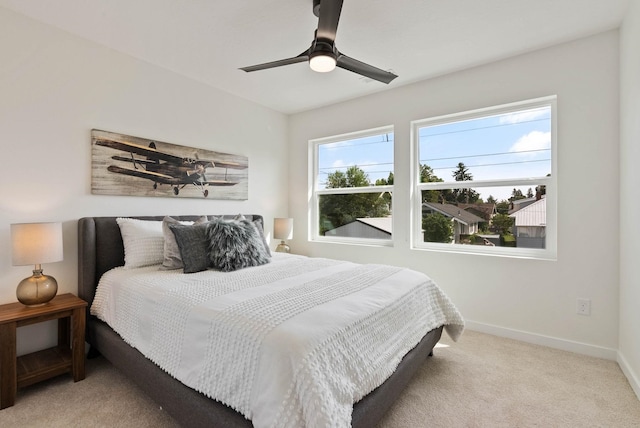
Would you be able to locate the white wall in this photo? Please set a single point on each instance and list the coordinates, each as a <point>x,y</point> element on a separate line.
<point>629,352</point>
<point>54,88</point>
<point>529,299</point>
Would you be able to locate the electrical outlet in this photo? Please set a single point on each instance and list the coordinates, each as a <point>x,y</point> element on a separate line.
<point>584,307</point>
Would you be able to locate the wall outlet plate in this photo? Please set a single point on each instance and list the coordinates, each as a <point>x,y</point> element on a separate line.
<point>584,307</point>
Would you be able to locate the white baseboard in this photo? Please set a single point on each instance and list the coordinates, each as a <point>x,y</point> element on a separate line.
<point>551,342</point>
<point>629,373</point>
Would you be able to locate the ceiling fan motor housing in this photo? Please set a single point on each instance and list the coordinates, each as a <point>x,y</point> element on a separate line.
<point>316,8</point>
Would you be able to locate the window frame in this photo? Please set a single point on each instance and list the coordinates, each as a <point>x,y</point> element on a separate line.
<point>315,192</point>
<point>417,241</point>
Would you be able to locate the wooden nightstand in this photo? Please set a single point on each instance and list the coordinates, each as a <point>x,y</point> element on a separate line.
<point>68,356</point>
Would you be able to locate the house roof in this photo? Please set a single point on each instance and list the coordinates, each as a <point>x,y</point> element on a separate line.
<point>382,223</point>
<point>487,209</point>
<point>455,212</point>
<point>532,215</point>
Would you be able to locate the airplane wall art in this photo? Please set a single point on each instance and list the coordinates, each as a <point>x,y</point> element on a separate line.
<point>133,166</point>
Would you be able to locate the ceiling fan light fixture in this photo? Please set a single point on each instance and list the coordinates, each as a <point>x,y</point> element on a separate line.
<point>322,62</point>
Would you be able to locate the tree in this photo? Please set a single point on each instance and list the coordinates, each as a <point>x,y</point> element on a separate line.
<point>516,194</point>
<point>502,207</point>
<point>427,175</point>
<point>437,196</point>
<point>467,196</point>
<point>529,193</point>
<point>354,177</point>
<point>437,228</point>
<point>338,210</point>
<point>337,180</point>
<point>491,200</point>
<point>462,173</point>
<point>385,182</point>
<point>502,224</point>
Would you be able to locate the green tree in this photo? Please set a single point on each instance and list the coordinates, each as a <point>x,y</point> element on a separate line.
<point>516,194</point>
<point>466,196</point>
<point>437,196</point>
<point>338,210</point>
<point>353,177</point>
<point>427,175</point>
<point>437,228</point>
<point>502,207</point>
<point>385,182</point>
<point>491,200</point>
<point>462,173</point>
<point>502,224</point>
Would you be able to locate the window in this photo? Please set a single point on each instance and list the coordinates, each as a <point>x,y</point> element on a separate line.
<point>485,181</point>
<point>352,179</point>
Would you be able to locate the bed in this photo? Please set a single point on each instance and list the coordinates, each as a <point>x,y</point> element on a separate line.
<point>101,249</point>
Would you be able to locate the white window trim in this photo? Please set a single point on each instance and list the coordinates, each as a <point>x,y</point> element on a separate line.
<point>417,243</point>
<point>314,192</point>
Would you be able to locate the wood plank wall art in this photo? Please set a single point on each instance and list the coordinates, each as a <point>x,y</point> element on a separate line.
<point>134,166</point>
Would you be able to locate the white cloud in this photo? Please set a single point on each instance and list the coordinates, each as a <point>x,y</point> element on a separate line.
<point>338,163</point>
<point>523,116</point>
<point>534,140</point>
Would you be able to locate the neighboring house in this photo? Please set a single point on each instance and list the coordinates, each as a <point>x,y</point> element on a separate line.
<point>530,224</point>
<point>484,210</point>
<point>372,227</point>
<point>464,222</point>
<point>519,204</point>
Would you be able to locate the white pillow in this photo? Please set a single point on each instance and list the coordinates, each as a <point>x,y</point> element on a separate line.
<point>143,242</point>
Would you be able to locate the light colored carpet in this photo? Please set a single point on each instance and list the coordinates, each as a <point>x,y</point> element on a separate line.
<point>481,381</point>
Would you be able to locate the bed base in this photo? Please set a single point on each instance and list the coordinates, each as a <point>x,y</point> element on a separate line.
<point>100,249</point>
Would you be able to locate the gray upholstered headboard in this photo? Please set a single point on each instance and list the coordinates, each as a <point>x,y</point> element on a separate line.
<point>100,248</point>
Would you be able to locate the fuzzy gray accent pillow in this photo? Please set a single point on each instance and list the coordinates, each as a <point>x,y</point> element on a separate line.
<point>193,244</point>
<point>235,244</point>
<point>172,258</point>
<point>260,227</point>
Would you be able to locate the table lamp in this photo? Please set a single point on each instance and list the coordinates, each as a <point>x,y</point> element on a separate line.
<point>283,229</point>
<point>33,244</point>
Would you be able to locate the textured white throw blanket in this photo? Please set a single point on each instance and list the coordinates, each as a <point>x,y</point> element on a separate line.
<point>292,343</point>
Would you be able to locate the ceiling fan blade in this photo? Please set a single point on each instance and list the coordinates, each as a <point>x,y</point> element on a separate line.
<point>304,56</point>
<point>328,19</point>
<point>363,69</point>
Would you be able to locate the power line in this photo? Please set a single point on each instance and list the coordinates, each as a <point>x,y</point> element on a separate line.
<point>388,140</point>
<point>358,165</point>
<point>478,128</point>
<point>320,170</point>
<point>492,164</point>
<point>487,154</point>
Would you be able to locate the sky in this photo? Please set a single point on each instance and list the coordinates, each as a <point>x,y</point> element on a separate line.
<point>505,146</point>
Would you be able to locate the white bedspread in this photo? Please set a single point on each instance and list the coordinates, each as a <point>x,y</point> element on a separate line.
<point>292,343</point>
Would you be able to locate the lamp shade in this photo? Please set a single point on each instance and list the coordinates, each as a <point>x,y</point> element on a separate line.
<point>36,243</point>
<point>283,228</point>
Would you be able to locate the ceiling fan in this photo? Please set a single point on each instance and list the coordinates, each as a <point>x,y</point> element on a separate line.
<point>323,56</point>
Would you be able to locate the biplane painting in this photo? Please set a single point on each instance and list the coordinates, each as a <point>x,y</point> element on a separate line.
<point>133,166</point>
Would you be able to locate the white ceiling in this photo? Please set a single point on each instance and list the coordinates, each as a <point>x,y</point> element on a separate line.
<point>208,40</point>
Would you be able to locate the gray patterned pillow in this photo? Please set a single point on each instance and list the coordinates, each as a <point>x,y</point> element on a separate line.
<point>192,242</point>
<point>172,257</point>
<point>235,244</point>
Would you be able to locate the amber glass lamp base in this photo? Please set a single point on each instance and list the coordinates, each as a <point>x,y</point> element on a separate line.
<point>283,248</point>
<point>37,289</point>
